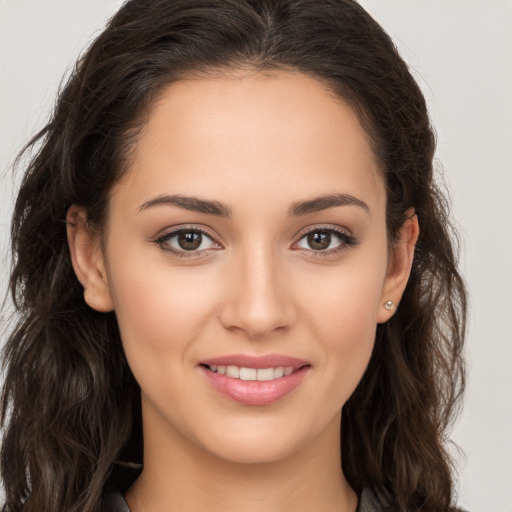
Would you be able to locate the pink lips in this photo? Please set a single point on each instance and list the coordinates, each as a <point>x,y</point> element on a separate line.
<point>252,392</point>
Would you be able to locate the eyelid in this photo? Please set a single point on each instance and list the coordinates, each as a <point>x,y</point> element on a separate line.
<point>346,237</point>
<point>323,227</point>
<point>162,238</point>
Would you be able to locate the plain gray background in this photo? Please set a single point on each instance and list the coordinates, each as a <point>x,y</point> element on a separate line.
<point>461,53</point>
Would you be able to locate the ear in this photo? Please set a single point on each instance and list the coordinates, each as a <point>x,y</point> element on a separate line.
<point>88,260</point>
<point>399,267</point>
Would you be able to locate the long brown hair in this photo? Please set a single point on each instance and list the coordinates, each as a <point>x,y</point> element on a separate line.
<point>70,402</point>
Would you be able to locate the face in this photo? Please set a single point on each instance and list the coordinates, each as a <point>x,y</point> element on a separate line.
<point>246,258</point>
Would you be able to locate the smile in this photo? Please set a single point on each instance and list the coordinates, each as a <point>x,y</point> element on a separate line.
<point>259,374</point>
<point>255,380</point>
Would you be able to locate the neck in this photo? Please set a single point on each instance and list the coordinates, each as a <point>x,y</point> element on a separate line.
<point>179,475</point>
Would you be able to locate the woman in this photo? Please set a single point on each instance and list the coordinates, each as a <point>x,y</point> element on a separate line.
<point>229,249</point>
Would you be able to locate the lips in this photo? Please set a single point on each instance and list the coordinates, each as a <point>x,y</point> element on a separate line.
<point>255,380</point>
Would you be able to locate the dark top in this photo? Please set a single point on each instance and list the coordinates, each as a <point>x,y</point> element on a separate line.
<point>123,476</point>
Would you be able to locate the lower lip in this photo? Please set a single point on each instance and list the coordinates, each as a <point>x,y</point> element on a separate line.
<point>253,392</point>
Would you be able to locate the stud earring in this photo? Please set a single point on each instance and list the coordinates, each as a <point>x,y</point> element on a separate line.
<point>389,305</point>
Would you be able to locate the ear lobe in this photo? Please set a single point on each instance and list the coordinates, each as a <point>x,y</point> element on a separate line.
<point>399,267</point>
<point>88,260</point>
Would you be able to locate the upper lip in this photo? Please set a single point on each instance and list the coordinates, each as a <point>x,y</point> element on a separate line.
<point>252,361</point>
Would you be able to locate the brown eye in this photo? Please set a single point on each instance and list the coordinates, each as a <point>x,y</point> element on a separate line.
<point>187,242</point>
<point>190,240</point>
<point>325,241</point>
<point>319,240</point>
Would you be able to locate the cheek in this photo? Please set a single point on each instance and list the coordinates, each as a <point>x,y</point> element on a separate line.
<point>348,347</point>
<point>342,312</point>
<point>344,301</point>
<point>349,327</point>
<point>159,307</point>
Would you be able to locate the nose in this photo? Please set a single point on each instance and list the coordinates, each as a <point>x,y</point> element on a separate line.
<point>258,301</point>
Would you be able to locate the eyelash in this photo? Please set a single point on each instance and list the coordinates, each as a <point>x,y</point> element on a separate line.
<point>346,240</point>
<point>163,242</point>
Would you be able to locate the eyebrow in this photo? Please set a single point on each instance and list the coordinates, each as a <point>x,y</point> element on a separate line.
<point>324,202</point>
<point>191,203</point>
<point>297,209</point>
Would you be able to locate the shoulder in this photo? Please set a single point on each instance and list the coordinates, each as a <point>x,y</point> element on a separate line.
<point>369,502</point>
<point>114,502</point>
<point>122,476</point>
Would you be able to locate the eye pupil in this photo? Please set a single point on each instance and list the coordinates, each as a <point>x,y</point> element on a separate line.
<point>319,240</point>
<point>189,240</point>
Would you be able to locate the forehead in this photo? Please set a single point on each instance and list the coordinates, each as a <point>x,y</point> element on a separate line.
<point>283,134</point>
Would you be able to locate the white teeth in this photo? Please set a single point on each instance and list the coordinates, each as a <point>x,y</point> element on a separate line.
<point>233,372</point>
<point>248,373</point>
<point>265,374</point>
<point>259,374</point>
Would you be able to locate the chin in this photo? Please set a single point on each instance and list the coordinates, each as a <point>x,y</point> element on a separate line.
<point>260,442</point>
<point>253,452</point>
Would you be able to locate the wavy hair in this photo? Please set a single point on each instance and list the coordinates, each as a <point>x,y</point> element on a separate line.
<point>70,405</point>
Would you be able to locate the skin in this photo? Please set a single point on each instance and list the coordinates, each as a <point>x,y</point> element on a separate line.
<point>257,144</point>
